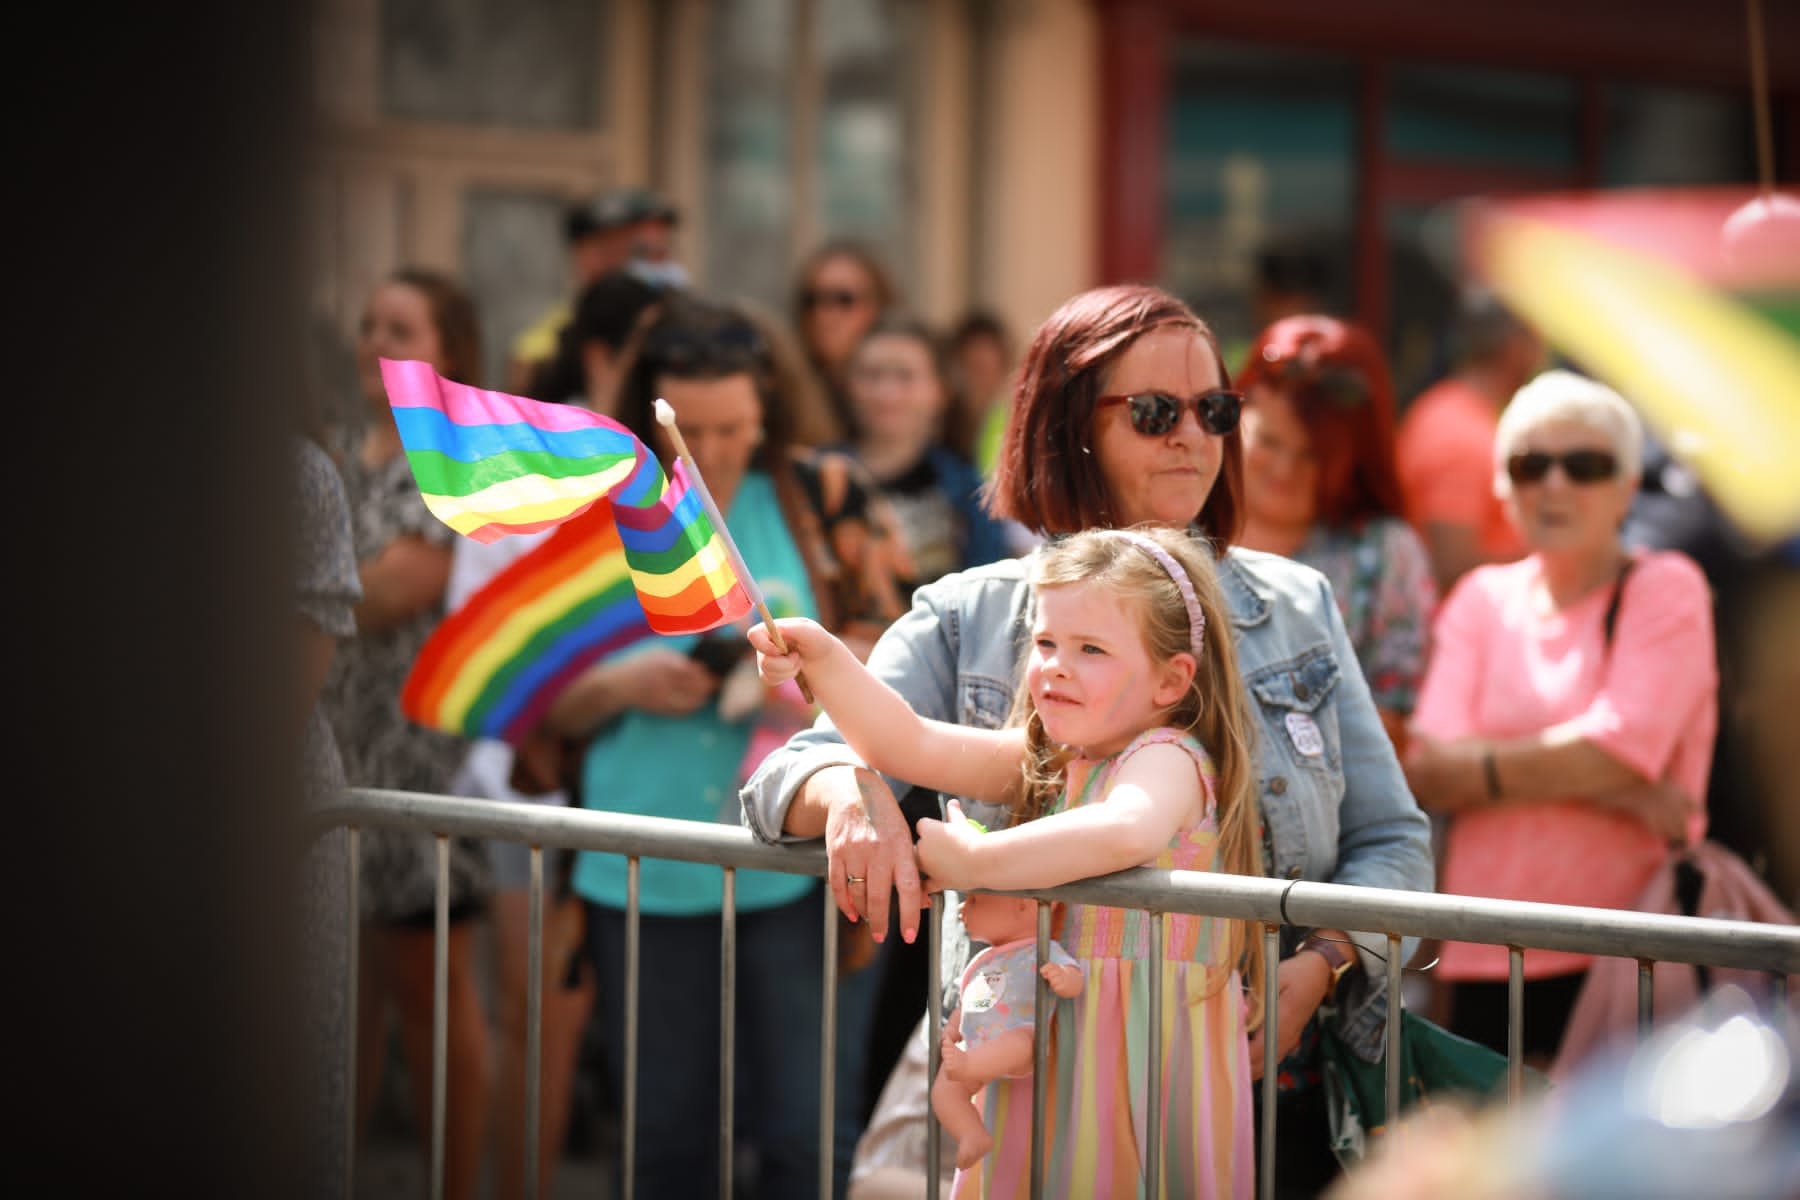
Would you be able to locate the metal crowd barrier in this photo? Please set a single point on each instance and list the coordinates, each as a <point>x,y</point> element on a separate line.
<point>1648,938</point>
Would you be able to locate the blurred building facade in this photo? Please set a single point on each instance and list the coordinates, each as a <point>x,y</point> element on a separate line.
<point>1011,152</point>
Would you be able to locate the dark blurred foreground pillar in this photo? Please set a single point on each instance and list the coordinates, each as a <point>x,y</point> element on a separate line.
<point>153,346</point>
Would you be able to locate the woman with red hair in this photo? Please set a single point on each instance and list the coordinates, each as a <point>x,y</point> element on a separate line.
<point>1320,487</point>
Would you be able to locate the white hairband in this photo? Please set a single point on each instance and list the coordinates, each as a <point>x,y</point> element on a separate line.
<point>1184,585</point>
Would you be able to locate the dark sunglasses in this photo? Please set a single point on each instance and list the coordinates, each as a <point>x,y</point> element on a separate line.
<point>813,298</point>
<point>1581,466</point>
<point>1154,414</point>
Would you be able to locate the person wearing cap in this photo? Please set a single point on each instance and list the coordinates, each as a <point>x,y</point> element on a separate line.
<point>628,228</point>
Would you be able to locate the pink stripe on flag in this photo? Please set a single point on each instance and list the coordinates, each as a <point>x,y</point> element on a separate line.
<point>413,384</point>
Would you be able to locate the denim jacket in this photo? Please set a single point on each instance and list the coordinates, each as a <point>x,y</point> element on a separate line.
<point>1337,807</point>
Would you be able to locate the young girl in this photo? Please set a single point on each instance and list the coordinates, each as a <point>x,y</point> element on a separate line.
<point>1128,746</point>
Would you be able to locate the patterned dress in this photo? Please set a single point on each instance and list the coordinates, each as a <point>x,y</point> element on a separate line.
<point>326,590</point>
<point>1096,1117</point>
<point>1381,577</point>
<point>380,746</point>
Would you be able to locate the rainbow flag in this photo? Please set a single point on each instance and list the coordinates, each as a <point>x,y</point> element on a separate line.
<point>636,553</point>
<point>1687,300</point>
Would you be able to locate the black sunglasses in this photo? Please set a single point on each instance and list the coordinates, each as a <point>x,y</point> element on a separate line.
<point>1581,466</point>
<point>1154,414</point>
<point>829,298</point>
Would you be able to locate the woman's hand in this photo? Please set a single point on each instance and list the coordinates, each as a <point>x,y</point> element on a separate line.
<point>1665,807</point>
<point>868,849</point>
<point>1445,775</point>
<point>1301,982</point>
<point>947,849</point>
<point>665,682</point>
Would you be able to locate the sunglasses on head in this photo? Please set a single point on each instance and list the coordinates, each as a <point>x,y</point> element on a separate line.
<point>1581,466</point>
<point>679,347</point>
<point>1154,414</point>
<point>1303,366</point>
<point>840,298</point>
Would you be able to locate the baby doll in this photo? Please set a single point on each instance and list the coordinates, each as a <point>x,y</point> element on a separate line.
<point>989,1033</point>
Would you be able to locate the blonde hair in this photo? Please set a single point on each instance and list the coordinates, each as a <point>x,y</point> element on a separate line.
<point>1555,397</point>
<point>1215,709</point>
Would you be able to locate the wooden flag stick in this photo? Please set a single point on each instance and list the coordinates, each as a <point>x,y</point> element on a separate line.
<point>665,416</point>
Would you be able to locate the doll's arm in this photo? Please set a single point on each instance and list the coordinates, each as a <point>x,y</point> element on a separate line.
<point>1066,981</point>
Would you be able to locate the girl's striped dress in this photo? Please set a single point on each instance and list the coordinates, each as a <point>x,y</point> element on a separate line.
<point>1095,1115</point>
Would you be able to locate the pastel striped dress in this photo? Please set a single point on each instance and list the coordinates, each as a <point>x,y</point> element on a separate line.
<point>1095,1114</point>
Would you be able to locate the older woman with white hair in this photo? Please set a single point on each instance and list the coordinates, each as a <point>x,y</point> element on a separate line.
<point>1567,715</point>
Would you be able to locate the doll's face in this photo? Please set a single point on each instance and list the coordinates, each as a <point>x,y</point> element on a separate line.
<point>997,919</point>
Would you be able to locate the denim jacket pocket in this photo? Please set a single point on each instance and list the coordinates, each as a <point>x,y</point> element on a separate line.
<point>1298,709</point>
<point>984,703</point>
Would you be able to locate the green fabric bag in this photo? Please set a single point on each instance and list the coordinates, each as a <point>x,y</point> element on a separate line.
<point>1434,1064</point>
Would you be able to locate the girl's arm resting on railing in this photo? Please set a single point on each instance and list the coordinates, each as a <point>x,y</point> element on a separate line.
<point>1155,795</point>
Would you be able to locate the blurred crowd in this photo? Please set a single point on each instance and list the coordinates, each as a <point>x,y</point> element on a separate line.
<point>1575,655</point>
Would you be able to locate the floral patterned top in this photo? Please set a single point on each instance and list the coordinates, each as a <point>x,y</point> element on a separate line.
<point>1382,580</point>
<point>380,746</point>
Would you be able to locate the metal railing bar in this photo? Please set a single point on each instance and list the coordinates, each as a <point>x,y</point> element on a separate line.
<point>534,1018</point>
<point>1647,938</point>
<point>1704,940</point>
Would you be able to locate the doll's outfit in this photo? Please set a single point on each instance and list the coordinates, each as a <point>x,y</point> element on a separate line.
<point>999,990</point>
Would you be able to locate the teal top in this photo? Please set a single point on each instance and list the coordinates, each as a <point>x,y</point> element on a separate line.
<point>690,767</point>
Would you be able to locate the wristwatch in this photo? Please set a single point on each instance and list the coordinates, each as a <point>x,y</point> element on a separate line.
<point>1341,959</point>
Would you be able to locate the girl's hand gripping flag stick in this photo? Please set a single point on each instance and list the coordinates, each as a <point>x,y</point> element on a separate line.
<point>665,416</point>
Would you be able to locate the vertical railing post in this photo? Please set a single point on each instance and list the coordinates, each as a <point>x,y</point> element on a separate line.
<point>1271,951</point>
<point>934,1024</point>
<point>1644,982</point>
<point>352,1000</point>
<point>440,1017</point>
<point>1396,1030</point>
<point>728,962</point>
<point>1040,1056</point>
<point>1153,1141</point>
<point>828,1052</point>
<point>633,938</point>
<point>534,1019</point>
<point>1515,1024</point>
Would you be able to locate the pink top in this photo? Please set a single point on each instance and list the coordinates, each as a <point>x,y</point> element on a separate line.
<point>1444,455</point>
<point>1502,668</point>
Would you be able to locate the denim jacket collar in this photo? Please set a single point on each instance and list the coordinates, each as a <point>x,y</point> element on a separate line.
<point>1249,606</point>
